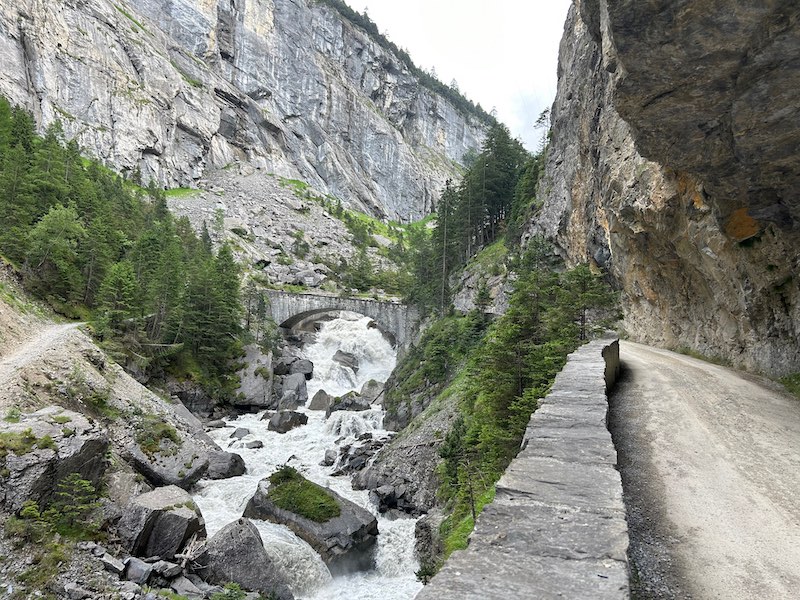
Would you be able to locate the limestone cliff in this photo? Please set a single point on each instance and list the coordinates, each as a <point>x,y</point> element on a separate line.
<point>175,88</point>
<point>674,165</point>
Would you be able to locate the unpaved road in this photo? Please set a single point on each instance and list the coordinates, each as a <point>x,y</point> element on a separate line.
<point>39,342</point>
<point>710,462</point>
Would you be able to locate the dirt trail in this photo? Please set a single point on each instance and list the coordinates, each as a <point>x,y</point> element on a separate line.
<point>710,462</point>
<point>32,349</point>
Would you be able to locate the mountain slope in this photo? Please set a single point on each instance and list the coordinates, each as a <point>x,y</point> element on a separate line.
<point>169,90</point>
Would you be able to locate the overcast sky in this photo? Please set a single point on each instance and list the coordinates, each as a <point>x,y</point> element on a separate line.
<point>502,53</point>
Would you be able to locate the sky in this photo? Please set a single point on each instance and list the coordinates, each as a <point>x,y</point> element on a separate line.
<point>502,53</point>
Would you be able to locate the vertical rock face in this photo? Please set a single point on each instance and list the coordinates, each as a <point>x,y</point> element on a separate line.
<point>173,88</point>
<point>674,166</point>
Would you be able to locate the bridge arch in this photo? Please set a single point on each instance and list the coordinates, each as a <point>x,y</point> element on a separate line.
<point>398,320</point>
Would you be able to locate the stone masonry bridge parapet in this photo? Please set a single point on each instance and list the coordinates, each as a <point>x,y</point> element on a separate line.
<point>399,320</point>
<point>556,528</point>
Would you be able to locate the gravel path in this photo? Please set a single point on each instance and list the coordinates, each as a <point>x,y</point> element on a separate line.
<point>41,341</point>
<point>710,464</point>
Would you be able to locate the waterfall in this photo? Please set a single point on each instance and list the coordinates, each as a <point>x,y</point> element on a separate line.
<point>223,501</point>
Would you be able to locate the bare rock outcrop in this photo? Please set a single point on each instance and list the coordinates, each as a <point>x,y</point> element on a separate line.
<point>43,448</point>
<point>671,166</point>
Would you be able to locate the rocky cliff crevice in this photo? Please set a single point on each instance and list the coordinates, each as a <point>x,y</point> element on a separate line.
<point>671,166</point>
<point>170,90</point>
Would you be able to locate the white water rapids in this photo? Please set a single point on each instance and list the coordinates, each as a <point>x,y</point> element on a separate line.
<point>223,501</point>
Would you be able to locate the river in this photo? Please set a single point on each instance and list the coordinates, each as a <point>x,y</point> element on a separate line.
<point>223,501</point>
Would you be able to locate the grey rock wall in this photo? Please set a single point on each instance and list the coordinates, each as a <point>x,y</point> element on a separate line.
<point>651,175</point>
<point>556,528</point>
<point>173,89</point>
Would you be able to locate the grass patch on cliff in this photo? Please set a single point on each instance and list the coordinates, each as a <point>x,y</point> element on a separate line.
<point>180,192</point>
<point>22,442</point>
<point>291,491</point>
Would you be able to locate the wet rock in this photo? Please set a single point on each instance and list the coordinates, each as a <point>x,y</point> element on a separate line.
<point>222,465</point>
<point>350,401</point>
<point>216,424</point>
<point>371,390</point>
<point>302,366</point>
<point>293,391</point>
<point>254,444</point>
<point>330,457</point>
<point>284,365</point>
<point>347,359</point>
<point>160,523</point>
<point>236,554</point>
<point>353,458</point>
<point>320,401</point>
<point>240,433</point>
<point>56,451</point>
<point>286,420</point>
<point>345,543</point>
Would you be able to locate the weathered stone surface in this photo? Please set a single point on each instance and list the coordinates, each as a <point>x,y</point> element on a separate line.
<point>394,320</point>
<point>176,464</point>
<point>346,542</point>
<point>222,465</point>
<point>57,450</point>
<point>112,564</point>
<point>137,570</point>
<point>236,554</point>
<point>670,194</point>
<point>167,569</point>
<point>302,366</point>
<point>160,523</point>
<point>239,433</point>
<point>347,359</point>
<point>255,379</point>
<point>294,392</point>
<point>320,401</point>
<point>286,420</point>
<point>371,390</point>
<point>556,527</point>
<point>218,84</point>
<point>193,397</point>
<point>350,401</point>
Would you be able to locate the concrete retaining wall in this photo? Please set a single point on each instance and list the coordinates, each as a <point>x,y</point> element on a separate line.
<point>556,528</point>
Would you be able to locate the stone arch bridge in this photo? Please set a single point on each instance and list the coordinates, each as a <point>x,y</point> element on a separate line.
<point>399,320</point>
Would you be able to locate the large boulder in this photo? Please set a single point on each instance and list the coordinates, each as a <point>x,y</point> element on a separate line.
<point>371,390</point>
<point>236,554</point>
<point>320,401</point>
<point>42,449</point>
<point>286,420</point>
<point>350,401</point>
<point>345,543</point>
<point>222,465</point>
<point>160,523</point>
<point>255,379</point>
<point>178,464</point>
<point>193,397</point>
<point>303,366</point>
<point>293,391</point>
<point>346,359</point>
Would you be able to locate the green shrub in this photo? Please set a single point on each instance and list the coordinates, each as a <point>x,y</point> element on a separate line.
<point>293,492</point>
<point>792,383</point>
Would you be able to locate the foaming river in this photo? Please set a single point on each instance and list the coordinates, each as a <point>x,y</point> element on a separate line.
<point>304,447</point>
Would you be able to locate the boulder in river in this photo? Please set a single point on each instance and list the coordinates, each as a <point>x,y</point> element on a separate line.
<point>303,366</point>
<point>236,554</point>
<point>350,401</point>
<point>286,420</point>
<point>293,392</point>
<point>160,523</point>
<point>371,390</point>
<point>345,542</point>
<point>347,359</point>
<point>320,401</point>
<point>222,465</point>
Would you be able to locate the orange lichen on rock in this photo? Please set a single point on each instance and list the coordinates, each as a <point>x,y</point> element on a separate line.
<point>741,226</point>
